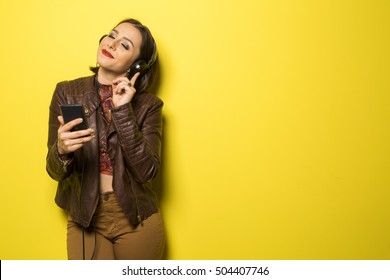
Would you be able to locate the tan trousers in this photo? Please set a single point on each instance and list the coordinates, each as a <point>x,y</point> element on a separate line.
<point>112,238</point>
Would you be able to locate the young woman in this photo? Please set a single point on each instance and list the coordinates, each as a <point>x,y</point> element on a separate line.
<point>105,172</point>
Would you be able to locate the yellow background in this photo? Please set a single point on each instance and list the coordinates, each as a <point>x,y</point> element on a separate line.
<point>276,123</point>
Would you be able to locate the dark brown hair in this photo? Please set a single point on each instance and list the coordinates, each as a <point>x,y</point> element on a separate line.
<point>147,49</point>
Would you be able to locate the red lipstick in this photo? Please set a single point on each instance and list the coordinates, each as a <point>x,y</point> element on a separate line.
<point>107,53</point>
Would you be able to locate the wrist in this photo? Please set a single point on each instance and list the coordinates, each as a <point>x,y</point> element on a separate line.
<point>63,157</point>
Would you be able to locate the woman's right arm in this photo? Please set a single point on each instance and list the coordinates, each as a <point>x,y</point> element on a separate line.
<point>58,167</point>
<point>62,142</point>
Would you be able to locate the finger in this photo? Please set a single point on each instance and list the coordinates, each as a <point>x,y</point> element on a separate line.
<point>120,80</point>
<point>61,120</point>
<point>123,87</point>
<point>78,141</point>
<point>118,85</point>
<point>134,78</point>
<point>73,148</point>
<point>69,125</point>
<point>72,145</point>
<point>69,135</point>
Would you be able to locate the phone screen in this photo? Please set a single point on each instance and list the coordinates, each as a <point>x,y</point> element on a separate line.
<point>74,111</point>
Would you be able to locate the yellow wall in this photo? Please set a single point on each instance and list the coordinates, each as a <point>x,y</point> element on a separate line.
<point>277,123</point>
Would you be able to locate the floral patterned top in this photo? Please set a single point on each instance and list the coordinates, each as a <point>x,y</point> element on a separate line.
<point>105,94</point>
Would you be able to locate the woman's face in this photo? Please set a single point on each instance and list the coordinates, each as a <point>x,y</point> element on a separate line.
<point>118,50</point>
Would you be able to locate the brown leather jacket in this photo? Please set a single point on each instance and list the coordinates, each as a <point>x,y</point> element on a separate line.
<point>134,140</point>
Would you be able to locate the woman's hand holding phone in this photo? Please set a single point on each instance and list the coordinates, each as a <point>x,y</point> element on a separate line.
<point>70,141</point>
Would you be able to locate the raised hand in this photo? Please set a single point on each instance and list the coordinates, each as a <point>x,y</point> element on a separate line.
<point>123,90</point>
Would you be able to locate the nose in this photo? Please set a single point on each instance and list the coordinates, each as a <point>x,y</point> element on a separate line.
<point>111,44</point>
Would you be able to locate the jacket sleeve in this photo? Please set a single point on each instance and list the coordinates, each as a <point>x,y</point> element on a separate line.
<point>141,145</point>
<point>57,167</point>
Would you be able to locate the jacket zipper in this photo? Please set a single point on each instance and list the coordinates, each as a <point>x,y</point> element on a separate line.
<point>64,163</point>
<point>65,167</point>
<point>139,218</point>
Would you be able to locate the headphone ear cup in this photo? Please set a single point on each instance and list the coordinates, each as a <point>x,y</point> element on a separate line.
<point>138,66</point>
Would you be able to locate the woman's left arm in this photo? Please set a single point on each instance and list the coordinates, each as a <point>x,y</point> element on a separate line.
<point>141,145</point>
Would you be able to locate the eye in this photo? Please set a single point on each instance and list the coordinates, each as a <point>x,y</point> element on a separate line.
<point>125,46</point>
<point>111,36</point>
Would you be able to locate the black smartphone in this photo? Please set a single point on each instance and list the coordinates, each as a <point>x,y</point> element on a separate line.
<point>74,111</point>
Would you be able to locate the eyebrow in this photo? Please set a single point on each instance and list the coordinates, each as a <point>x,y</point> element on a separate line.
<point>116,31</point>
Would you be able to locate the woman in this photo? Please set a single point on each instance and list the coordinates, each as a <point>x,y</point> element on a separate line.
<point>105,173</point>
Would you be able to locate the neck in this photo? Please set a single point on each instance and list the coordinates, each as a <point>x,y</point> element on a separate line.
<point>106,77</point>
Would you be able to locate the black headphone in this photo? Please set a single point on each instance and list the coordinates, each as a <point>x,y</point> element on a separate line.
<point>140,65</point>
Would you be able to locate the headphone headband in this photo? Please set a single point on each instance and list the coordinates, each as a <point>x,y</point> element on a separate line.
<point>154,55</point>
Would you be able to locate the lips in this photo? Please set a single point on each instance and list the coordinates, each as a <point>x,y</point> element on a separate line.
<point>107,53</point>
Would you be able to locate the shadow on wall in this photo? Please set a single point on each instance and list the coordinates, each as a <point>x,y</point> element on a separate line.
<point>160,182</point>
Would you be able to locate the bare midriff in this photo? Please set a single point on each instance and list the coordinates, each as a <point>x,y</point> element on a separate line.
<point>105,183</point>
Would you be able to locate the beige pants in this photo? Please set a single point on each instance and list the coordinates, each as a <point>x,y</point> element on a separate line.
<point>112,237</point>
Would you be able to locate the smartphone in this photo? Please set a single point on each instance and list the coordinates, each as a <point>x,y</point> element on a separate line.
<point>74,111</point>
